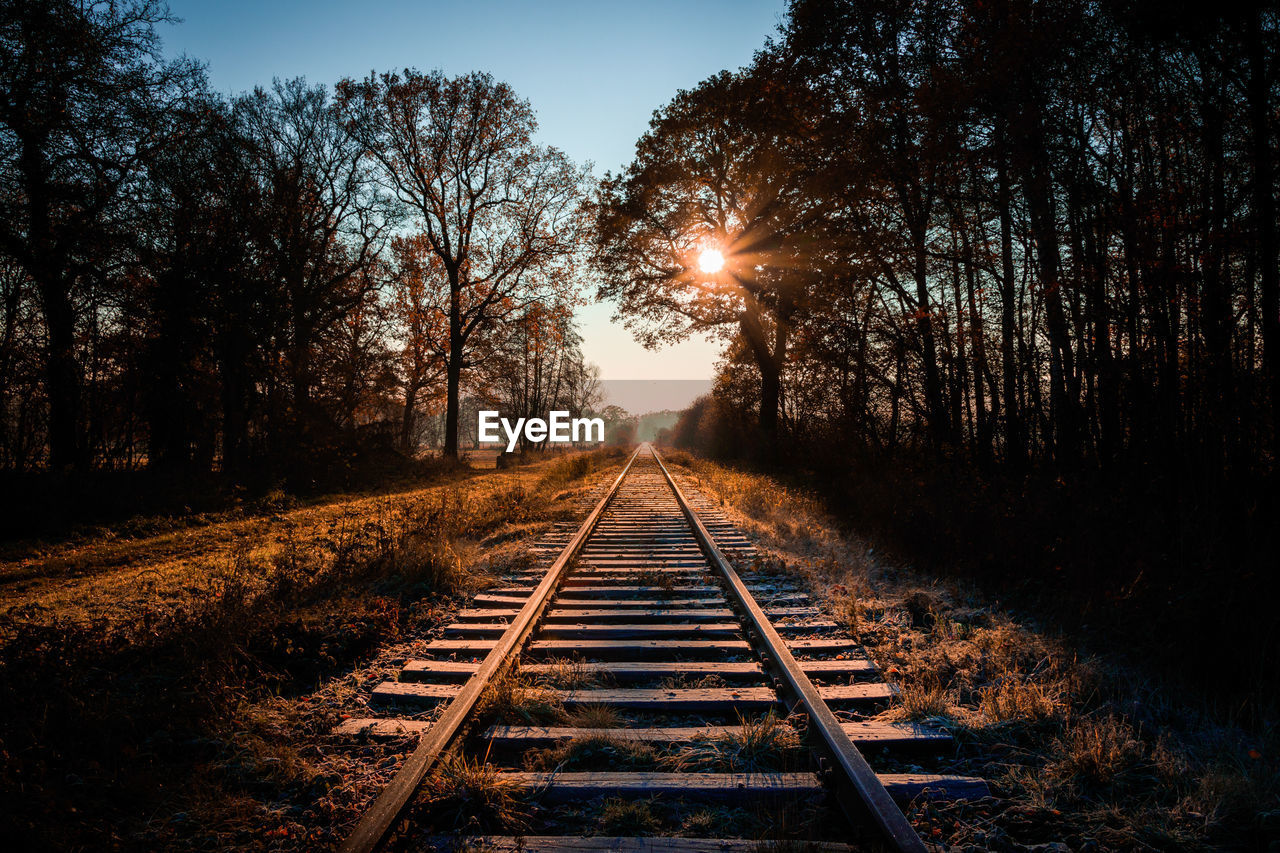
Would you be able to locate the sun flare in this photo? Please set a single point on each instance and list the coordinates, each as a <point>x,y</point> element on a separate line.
<point>711,261</point>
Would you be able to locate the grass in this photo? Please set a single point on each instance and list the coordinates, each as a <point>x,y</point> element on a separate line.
<point>845,610</point>
<point>628,817</point>
<point>1097,751</point>
<point>593,752</point>
<point>510,699</point>
<point>592,715</point>
<point>189,675</point>
<point>1085,747</point>
<point>471,796</point>
<point>1014,700</point>
<point>759,744</point>
<point>568,674</point>
<point>925,699</point>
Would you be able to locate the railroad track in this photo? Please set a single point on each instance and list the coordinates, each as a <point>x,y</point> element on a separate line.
<point>641,612</point>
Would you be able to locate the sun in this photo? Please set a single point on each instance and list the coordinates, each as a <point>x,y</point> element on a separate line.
<point>711,261</point>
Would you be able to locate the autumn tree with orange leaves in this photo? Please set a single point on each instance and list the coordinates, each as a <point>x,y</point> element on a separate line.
<point>422,327</point>
<point>502,216</point>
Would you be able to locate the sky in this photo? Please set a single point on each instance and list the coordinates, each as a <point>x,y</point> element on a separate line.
<point>593,71</point>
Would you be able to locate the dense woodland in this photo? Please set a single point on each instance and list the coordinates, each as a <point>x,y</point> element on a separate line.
<point>1031,230</point>
<point>263,284</point>
<point>1001,275</point>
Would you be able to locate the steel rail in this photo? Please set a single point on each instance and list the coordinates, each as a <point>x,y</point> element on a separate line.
<point>380,819</point>
<point>871,794</point>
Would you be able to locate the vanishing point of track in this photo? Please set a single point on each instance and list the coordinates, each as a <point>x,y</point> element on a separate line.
<point>643,596</point>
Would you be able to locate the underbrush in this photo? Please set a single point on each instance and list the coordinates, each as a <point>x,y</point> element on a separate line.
<point>119,699</point>
<point>1081,746</point>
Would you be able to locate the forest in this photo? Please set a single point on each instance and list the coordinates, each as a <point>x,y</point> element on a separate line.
<point>999,277</point>
<point>1002,277</point>
<point>994,290</point>
<point>267,287</point>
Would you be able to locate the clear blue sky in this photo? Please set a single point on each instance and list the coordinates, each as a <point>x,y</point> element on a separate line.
<point>594,72</point>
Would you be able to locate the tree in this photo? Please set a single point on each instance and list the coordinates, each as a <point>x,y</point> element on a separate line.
<point>502,215</point>
<point>327,224</point>
<point>536,366</point>
<point>20,386</point>
<point>184,248</point>
<point>712,172</point>
<point>81,88</point>
<point>420,308</point>
<point>890,137</point>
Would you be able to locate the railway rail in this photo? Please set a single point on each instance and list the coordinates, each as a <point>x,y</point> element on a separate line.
<point>643,602</point>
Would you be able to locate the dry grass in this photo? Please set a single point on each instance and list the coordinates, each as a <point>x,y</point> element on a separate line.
<point>512,700</point>
<point>845,609</point>
<point>628,817</point>
<point>161,658</point>
<point>567,674</point>
<point>595,716</point>
<point>593,752</point>
<point>1097,751</point>
<point>1084,750</point>
<point>925,699</point>
<point>758,744</point>
<point>1016,701</point>
<point>472,796</point>
<point>114,582</point>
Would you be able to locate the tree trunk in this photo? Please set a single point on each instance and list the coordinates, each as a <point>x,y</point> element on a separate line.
<point>62,375</point>
<point>938,428</point>
<point>978,335</point>
<point>232,367</point>
<point>769,361</point>
<point>1217,321</point>
<point>168,446</point>
<point>1014,445</point>
<point>770,395</point>
<point>300,374</point>
<point>1109,433</point>
<point>410,418</point>
<point>1039,191</point>
<point>47,270</point>
<point>1264,209</point>
<point>453,367</point>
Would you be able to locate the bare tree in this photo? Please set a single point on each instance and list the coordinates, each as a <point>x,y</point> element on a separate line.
<point>503,215</point>
<point>327,222</point>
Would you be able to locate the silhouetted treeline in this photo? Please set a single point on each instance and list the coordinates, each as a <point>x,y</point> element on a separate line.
<point>1025,229</point>
<point>1001,281</point>
<point>255,285</point>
